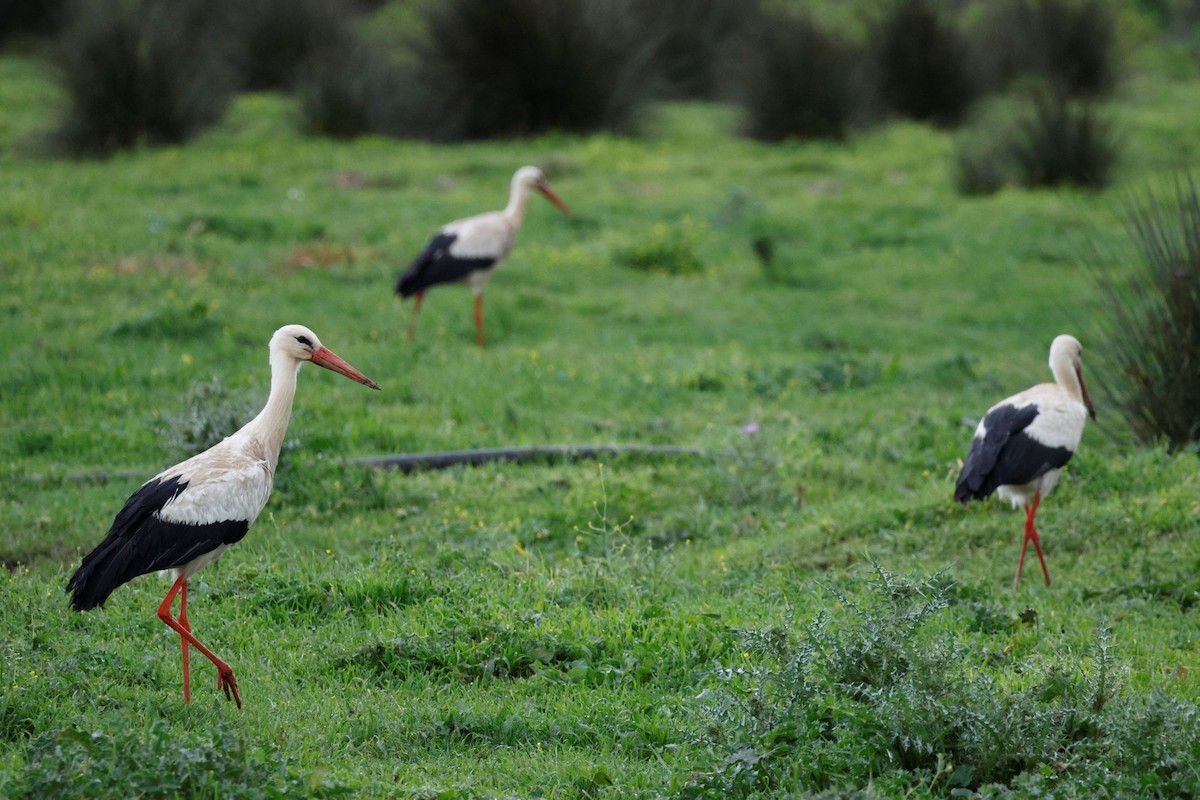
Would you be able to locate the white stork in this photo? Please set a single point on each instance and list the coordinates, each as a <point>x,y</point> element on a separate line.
<point>471,249</point>
<point>187,515</point>
<point>1024,441</point>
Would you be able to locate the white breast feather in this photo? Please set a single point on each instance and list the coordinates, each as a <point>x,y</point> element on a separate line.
<point>484,236</point>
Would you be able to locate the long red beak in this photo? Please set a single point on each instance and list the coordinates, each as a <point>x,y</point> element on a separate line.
<point>546,190</point>
<point>324,357</point>
<point>1087,398</point>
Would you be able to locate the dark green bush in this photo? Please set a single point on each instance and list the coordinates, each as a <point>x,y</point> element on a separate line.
<point>37,17</point>
<point>494,68</point>
<point>139,74</point>
<point>273,39</point>
<point>695,41</point>
<point>920,63</point>
<point>1150,342</point>
<point>799,80</point>
<point>1067,43</point>
<point>353,90</point>
<point>1062,142</point>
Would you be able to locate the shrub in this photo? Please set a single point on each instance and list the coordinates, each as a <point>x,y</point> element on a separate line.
<point>29,16</point>
<point>670,249</point>
<point>695,41</point>
<point>880,692</point>
<point>210,412</point>
<point>349,91</point>
<point>920,64</point>
<point>273,39</point>
<point>799,80</point>
<point>1063,142</point>
<point>520,67</point>
<point>1150,341</point>
<point>1068,43</point>
<point>133,75</point>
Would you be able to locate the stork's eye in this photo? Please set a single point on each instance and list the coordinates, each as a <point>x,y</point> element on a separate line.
<point>304,340</point>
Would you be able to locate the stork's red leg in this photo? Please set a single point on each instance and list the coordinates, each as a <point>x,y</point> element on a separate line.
<point>412,322</point>
<point>1031,534</point>
<point>479,319</point>
<point>183,620</point>
<point>225,679</point>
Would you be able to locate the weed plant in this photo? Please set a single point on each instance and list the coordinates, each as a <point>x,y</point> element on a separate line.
<point>1060,142</point>
<point>799,80</point>
<point>880,688</point>
<point>140,74</point>
<point>1151,333</point>
<point>210,412</point>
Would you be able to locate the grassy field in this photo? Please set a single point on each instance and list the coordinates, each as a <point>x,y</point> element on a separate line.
<point>638,627</point>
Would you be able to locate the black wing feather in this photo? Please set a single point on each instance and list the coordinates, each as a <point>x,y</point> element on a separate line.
<point>435,265</point>
<point>1006,455</point>
<point>140,542</point>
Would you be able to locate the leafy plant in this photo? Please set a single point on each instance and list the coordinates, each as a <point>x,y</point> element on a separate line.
<point>1151,333</point>
<point>138,74</point>
<point>151,761</point>
<point>672,249</point>
<point>210,412</point>
<point>799,80</point>
<point>878,690</point>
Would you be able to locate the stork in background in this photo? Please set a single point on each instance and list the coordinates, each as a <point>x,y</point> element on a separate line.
<point>187,515</point>
<point>1024,441</point>
<point>471,249</point>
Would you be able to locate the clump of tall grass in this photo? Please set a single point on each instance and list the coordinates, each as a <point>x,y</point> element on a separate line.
<point>799,80</point>
<point>1150,338</point>
<point>138,74</point>
<point>353,90</point>
<point>1052,141</point>
<point>1069,44</point>
<point>494,68</point>
<point>920,63</point>
<point>880,691</point>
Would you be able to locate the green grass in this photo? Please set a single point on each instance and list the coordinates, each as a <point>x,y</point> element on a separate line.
<point>563,630</point>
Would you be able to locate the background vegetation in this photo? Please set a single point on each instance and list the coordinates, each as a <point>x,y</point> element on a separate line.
<point>804,610</point>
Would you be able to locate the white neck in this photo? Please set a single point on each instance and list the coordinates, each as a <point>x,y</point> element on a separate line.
<point>271,424</point>
<point>518,196</point>
<point>1066,377</point>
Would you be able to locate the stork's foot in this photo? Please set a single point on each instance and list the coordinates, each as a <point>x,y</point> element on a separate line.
<point>228,683</point>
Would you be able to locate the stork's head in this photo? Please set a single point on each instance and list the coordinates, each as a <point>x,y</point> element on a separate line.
<point>534,178</point>
<point>1066,356</point>
<point>299,344</point>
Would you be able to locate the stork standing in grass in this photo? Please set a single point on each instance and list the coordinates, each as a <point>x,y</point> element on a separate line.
<point>1024,441</point>
<point>187,515</point>
<point>471,249</point>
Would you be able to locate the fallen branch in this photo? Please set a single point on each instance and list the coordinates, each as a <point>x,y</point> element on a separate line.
<point>410,462</point>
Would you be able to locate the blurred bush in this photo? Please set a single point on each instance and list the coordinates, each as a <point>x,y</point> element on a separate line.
<point>799,80</point>
<point>29,17</point>
<point>1067,43</point>
<point>494,68</point>
<point>695,42</point>
<point>1150,340</point>
<point>146,73</point>
<point>920,63</point>
<point>271,40</point>
<point>1049,139</point>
